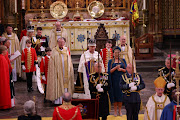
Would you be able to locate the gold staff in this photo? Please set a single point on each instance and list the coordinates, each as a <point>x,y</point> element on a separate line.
<point>177,77</point>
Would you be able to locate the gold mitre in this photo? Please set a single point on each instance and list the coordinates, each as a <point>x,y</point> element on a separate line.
<point>160,82</point>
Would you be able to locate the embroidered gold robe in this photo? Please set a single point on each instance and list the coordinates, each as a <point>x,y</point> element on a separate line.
<point>60,75</point>
<point>13,48</point>
<point>55,35</point>
<point>151,112</point>
<point>127,55</point>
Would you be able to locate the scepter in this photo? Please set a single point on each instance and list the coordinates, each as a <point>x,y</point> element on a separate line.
<point>85,58</point>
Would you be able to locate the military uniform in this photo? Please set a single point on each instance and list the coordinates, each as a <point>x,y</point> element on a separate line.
<point>103,96</point>
<point>164,72</point>
<point>29,60</point>
<point>37,42</point>
<point>131,99</point>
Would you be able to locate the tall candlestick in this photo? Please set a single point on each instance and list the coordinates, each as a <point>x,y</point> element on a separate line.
<point>23,4</point>
<point>144,4</point>
<point>15,4</point>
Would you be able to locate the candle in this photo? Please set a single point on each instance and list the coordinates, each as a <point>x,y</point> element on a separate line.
<point>144,4</point>
<point>23,4</point>
<point>15,6</point>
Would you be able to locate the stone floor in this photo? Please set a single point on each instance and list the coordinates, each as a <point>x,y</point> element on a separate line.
<point>46,109</point>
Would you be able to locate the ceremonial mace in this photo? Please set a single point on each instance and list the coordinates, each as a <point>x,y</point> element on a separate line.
<point>170,78</point>
<point>34,98</point>
<point>85,58</point>
<point>177,78</point>
<point>132,60</point>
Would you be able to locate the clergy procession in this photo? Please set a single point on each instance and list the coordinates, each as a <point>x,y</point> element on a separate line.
<point>99,68</point>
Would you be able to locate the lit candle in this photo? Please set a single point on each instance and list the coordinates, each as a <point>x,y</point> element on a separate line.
<point>144,4</point>
<point>15,6</point>
<point>23,4</point>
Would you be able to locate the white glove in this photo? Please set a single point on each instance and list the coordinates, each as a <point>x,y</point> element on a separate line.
<point>131,84</point>
<point>23,67</point>
<point>170,85</point>
<point>100,90</point>
<point>133,88</point>
<point>36,66</point>
<point>98,86</point>
<point>44,78</point>
<point>42,48</point>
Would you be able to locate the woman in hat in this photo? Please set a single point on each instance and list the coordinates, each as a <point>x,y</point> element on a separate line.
<point>116,67</point>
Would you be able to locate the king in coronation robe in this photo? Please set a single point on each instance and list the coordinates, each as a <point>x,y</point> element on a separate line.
<point>14,46</point>
<point>86,67</point>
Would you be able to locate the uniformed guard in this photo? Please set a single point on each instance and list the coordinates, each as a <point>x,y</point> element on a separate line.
<point>99,86</point>
<point>170,79</point>
<point>39,43</point>
<point>131,87</point>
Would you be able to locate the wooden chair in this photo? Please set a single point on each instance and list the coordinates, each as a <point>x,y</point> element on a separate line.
<point>144,42</point>
<point>101,37</point>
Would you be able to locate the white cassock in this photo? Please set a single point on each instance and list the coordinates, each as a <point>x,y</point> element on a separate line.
<point>86,56</point>
<point>151,112</point>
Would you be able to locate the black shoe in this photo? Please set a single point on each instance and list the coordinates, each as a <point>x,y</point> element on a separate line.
<point>32,89</point>
<point>45,101</point>
<point>29,89</point>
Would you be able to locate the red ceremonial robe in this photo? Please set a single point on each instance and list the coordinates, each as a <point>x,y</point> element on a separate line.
<point>5,95</point>
<point>44,68</point>
<point>67,112</point>
<point>29,59</point>
<point>23,33</point>
<point>106,56</point>
<point>9,63</point>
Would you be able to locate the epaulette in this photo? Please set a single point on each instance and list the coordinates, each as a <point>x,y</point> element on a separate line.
<point>92,73</point>
<point>161,68</point>
<point>105,73</point>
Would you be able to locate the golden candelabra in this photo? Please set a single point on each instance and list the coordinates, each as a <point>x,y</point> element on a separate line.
<point>42,14</point>
<point>113,10</point>
<point>77,14</point>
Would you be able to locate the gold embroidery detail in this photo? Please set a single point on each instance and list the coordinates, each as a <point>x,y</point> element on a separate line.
<point>67,106</point>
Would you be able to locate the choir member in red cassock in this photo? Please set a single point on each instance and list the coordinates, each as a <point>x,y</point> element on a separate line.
<point>6,42</point>
<point>44,68</point>
<point>29,63</point>
<point>5,95</point>
<point>107,54</point>
<point>67,111</point>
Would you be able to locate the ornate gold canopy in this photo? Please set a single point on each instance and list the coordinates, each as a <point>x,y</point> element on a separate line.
<point>58,9</point>
<point>96,9</point>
